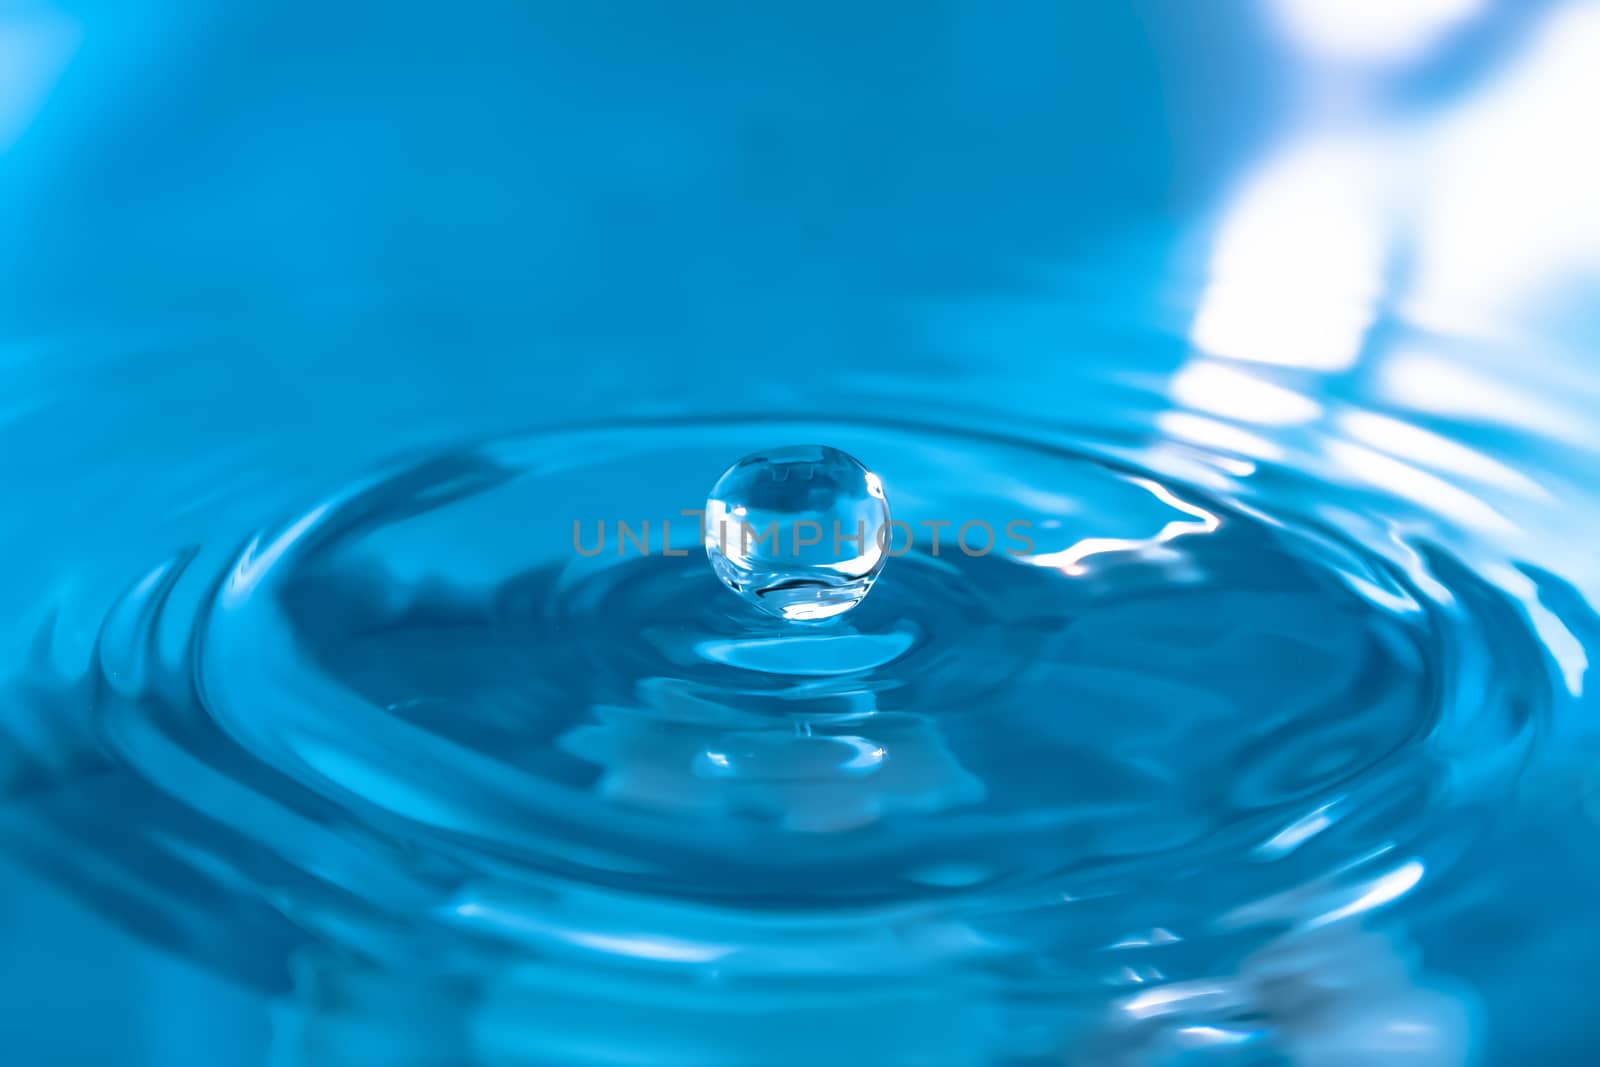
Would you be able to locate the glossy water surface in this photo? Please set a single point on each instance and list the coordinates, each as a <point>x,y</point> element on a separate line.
<point>1276,744</point>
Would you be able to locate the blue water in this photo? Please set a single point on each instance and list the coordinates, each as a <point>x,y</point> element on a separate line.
<point>324,336</point>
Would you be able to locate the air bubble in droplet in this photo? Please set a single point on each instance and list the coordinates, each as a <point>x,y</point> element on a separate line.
<point>800,532</point>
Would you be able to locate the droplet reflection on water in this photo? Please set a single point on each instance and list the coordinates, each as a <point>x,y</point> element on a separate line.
<point>800,532</point>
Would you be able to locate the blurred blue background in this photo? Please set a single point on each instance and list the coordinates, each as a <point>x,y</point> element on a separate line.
<point>248,249</point>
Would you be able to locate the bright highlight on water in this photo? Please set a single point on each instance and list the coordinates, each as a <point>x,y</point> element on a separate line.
<point>1234,697</point>
<point>798,531</point>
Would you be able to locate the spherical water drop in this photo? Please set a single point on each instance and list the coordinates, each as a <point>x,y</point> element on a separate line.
<point>800,532</point>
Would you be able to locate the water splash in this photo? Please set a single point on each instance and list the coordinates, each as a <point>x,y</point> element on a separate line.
<point>405,720</point>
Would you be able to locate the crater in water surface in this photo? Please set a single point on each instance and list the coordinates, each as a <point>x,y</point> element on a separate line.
<point>420,712</point>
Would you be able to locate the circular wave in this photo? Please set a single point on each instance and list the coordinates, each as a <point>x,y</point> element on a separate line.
<point>425,713</point>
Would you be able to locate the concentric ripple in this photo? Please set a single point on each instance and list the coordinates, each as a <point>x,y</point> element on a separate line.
<point>424,726</point>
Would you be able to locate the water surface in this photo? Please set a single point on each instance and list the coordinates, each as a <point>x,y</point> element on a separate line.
<point>1276,748</point>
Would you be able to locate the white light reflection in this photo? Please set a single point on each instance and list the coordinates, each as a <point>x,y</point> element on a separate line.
<point>1407,442</point>
<point>1129,976</point>
<point>1218,389</point>
<point>1475,219</point>
<point>1385,889</point>
<point>1297,833</point>
<point>1440,386</point>
<point>1510,219</point>
<point>1495,197</point>
<point>35,45</point>
<point>1185,996</point>
<point>1380,30</point>
<point>1211,433</point>
<point>1330,899</point>
<point>1428,491</point>
<point>1331,997</point>
<point>1325,998</point>
<point>1210,1036</point>
<point>1299,260</point>
<point>637,946</point>
<point>1149,939</point>
<point>257,559</point>
<point>1070,560</point>
<point>1560,642</point>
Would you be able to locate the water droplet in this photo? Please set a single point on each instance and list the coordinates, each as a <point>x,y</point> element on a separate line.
<point>800,532</point>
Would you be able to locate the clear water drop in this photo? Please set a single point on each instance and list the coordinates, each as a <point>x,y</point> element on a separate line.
<point>800,532</point>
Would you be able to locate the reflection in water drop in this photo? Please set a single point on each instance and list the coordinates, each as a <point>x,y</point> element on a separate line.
<point>799,532</point>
